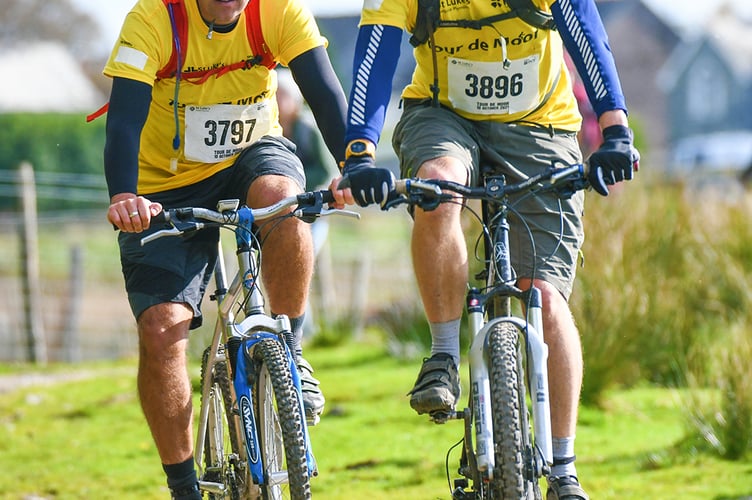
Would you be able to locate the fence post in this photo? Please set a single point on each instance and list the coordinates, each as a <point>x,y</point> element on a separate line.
<point>72,311</point>
<point>36,346</point>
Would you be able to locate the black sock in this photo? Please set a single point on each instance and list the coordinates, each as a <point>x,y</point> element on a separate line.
<point>182,481</point>
<point>296,324</point>
<point>294,339</point>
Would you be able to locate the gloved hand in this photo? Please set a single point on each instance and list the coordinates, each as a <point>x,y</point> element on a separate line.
<point>615,161</point>
<point>368,183</point>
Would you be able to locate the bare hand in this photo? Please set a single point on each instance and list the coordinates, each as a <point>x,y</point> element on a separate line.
<point>342,197</point>
<point>131,213</point>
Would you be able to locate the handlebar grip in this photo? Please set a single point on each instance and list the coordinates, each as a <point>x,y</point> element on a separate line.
<point>161,217</point>
<point>327,196</point>
<point>310,197</point>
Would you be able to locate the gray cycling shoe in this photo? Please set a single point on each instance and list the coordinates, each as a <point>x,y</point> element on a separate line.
<point>313,398</point>
<point>437,388</point>
<point>565,488</point>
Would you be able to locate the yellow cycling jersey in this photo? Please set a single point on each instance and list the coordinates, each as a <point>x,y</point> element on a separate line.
<point>221,116</point>
<point>507,72</point>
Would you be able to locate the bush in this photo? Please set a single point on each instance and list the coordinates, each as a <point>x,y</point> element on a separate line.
<point>54,143</point>
<point>665,277</point>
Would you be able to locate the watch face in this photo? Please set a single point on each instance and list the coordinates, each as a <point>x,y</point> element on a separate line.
<point>358,147</point>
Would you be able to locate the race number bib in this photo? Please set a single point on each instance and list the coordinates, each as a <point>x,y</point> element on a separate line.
<point>215,133</point>
<point>487,88</point>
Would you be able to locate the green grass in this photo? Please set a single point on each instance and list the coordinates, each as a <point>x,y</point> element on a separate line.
<point>86,438</point>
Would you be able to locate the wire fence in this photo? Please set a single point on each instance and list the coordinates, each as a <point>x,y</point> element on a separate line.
<point>59,298</point>
<point>81,310</point>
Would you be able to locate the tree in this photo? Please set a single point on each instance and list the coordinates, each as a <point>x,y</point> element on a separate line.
<point>23,21</point>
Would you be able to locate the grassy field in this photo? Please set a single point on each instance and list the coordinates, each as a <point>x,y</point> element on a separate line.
<point>663,300</point>
<point>74,434</point>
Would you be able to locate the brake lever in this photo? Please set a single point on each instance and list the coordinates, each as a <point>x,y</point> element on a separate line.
<point>159,234</point>
<point>340,211</point>
<point>310,214</point>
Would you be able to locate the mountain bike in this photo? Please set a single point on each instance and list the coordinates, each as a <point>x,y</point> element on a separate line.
<point>252,439</point>
<point>503,456</point>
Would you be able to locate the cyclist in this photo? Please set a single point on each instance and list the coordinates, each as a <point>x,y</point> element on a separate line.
<point>199,132</point>
<point>490,88</point>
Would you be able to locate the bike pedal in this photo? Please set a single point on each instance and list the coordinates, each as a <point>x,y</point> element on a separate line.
<point>441,417</point>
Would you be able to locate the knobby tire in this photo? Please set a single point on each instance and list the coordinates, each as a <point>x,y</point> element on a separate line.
<point>512,439</point>
<point>279,418</point>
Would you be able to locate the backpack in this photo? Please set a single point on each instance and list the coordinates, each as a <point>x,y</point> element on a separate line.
<point>179,21</point>
<point>429,19</point>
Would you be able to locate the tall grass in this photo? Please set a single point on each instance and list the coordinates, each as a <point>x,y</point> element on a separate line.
<point>720,421</point>
<point>665,276</point>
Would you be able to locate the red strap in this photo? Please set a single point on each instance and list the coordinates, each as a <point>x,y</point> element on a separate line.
<point>256,35</point>
<point>179,16</point>
<point>96,114</point>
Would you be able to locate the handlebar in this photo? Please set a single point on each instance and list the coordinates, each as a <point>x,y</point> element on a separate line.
<point>428,193</point>
<point>310,206</point>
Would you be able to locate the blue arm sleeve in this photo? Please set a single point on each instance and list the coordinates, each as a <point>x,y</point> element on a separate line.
<point>322,91</point>
<point>584,36</point>
<point>377,52</point>
<point>129,107</point>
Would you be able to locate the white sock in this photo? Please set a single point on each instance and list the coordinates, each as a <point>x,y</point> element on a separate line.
<point>445,338</point>
<point>563,449</point>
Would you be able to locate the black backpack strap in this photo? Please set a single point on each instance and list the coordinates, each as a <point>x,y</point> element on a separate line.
<point>429,16</point>
<point>525,10</point>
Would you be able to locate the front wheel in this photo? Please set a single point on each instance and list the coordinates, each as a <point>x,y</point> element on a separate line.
<point>224,457</point>
<point>279,420</point>
<point>513,477</point>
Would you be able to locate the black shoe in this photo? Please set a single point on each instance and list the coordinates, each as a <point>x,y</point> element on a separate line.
<point>438,386</point>
<point>565,488</point>
<point>189,493</point>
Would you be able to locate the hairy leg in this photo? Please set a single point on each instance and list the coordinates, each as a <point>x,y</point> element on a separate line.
<point>287,263</point>
<point>163,384</point>
<point>565,365</point>
<point>439,251</point>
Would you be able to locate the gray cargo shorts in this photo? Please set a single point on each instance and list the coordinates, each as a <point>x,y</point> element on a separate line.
<point>546,237</point>
<point>178,269</point>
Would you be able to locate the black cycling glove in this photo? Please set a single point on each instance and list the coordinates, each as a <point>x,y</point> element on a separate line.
<point>368,183</point>
<point>615,160</point>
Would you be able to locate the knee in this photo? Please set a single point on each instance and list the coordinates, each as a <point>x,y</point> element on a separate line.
<point>552,299</point>
<point>270,189</point>
<point>445,168</point>
<point>163,330</point>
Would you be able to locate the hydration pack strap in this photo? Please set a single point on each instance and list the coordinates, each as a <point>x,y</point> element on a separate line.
<point>429,18</point>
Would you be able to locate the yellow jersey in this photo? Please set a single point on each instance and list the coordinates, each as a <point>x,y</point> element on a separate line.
<point>507,72</point>
<point>218,118</point>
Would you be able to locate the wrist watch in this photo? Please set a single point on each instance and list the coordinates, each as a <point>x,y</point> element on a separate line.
<point>360,147</point>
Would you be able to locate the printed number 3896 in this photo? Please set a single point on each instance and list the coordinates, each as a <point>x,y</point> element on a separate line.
<point>488,87</point>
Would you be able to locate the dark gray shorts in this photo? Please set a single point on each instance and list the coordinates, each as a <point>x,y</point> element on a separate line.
<point>519,151</point>
<point>178,269</point>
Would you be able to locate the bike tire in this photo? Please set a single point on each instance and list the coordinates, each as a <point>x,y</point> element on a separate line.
<point>279,418</point>
<point>224,455</point>
<point>513,477</point>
